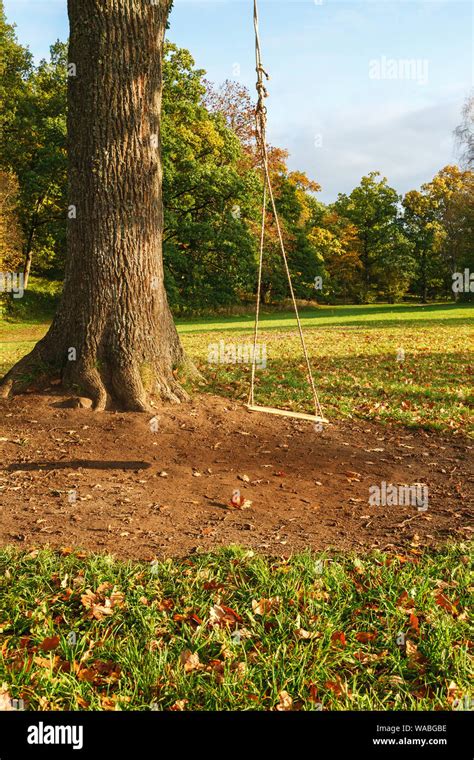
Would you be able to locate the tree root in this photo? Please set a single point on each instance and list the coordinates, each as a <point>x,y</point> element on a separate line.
<point>113,386</point>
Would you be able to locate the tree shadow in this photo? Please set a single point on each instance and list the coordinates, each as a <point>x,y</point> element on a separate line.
<point>75,464</point>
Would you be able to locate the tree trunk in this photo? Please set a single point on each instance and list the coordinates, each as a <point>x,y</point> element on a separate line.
<point>113,335</point>
<point>28,260</point>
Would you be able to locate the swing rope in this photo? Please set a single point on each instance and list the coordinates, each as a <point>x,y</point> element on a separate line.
<point>261,122</point>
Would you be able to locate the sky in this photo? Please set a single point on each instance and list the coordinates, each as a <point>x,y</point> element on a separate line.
<point>356,85</point>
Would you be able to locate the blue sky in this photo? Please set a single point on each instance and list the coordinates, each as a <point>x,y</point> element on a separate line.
<point>343,99</point>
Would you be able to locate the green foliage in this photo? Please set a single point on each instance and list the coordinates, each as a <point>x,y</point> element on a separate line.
<point>35,150</point>
<point>209,198</point>
<point>440,221</point>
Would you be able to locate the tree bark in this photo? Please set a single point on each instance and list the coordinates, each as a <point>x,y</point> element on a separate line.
<point>113,335</point>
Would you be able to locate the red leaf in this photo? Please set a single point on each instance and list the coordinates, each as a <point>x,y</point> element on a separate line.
<point>446,604</point>
<point>335,687</point>
<point>364,637</point>
<point>340,637</point>
<point>48,644</point>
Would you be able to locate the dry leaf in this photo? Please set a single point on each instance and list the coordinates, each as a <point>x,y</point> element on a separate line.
<point>364,637</point>
<point>190,661</point>
<point>265,606</point>
<point>48,644</point>
<point>339,636</point>
<point>5,699</point>
<point>414,656</point>
<point>443,601</point>
<point>179,705</point>
<point>285,703</point>
<point>224,616</point>
<point>302,634</point>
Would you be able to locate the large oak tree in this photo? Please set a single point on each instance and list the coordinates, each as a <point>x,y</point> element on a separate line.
<point>113,335</point>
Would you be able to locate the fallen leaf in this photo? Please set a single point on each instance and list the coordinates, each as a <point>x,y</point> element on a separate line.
<point>302,634</point>
<point>222,615</point>
<point>48,644</point>
<point>265,606</point>
<point>364,637</point>
<point>443,601</point>
<point>190,661</point>
<point>179,705</point>
<point>415,657</point>
<point>6,703</point>
<point>285,703</point>
<point>339,637</point>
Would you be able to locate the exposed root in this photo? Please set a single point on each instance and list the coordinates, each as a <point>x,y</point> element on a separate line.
<point>128,390</point>
<point>171,391</point>
<point>190,371</point>
<point>91,384</point>
<point>110,385</point>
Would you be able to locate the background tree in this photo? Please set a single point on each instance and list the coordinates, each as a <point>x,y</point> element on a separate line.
<point>210,194</point>
<point>373,209</point>
<point>11,240</point>
<point>424,230</point>
<point>337,244</point>
<point>36,152</point>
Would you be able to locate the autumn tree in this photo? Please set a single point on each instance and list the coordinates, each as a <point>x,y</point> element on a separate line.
<point>336,242</point>
<point>385,252</point>
<point>424,230</point>
<point>113,335</point>
<point>11,239</point>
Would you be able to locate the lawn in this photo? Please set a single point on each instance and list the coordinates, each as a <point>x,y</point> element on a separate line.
<point>397,363</point>
<point>233,630</point>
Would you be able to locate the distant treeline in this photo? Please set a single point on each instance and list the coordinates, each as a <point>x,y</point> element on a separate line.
<point>369,245</point>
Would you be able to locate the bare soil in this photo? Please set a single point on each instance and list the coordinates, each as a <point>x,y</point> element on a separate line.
<point>141,493</point>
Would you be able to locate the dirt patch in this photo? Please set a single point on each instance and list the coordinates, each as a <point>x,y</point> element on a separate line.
<point>115,483</point>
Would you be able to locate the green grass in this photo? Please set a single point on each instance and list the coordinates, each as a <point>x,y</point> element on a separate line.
<point>133,657</point>
<point>354,356</point>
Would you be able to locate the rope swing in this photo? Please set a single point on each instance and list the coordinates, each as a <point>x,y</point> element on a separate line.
<point>261,124</point>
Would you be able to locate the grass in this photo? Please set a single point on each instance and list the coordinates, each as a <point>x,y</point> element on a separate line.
<point>311,633</point>
<point>354,352</point>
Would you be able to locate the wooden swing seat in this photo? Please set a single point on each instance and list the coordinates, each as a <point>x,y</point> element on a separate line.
<point>286,413</point>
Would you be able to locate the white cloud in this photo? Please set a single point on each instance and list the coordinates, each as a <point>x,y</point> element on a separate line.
<point>408,147</point>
